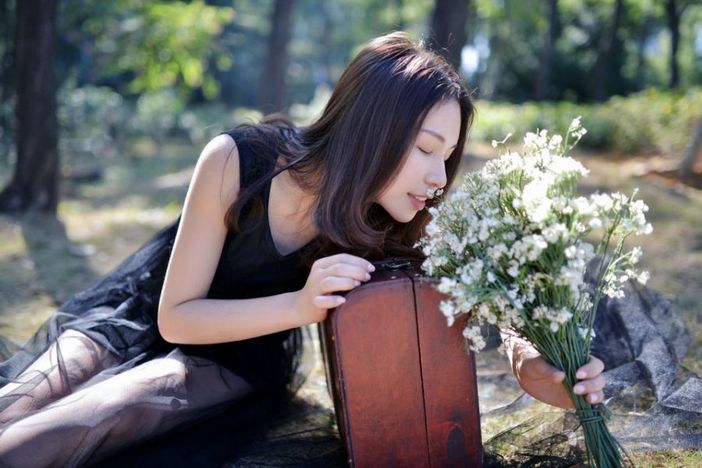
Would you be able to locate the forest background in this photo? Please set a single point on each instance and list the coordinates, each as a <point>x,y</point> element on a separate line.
<point>104,107</point>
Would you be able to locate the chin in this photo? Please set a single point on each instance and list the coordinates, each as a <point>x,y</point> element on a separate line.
<point>399,215</point>
<point>405,217</point>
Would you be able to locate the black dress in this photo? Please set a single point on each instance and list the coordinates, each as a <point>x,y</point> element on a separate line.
<point>152,387</point>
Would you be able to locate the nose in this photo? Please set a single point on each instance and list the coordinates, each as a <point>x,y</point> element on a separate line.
<point>436,176</point>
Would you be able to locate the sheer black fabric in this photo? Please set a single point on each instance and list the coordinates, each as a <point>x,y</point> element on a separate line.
<point>98,385</point>
<point>653,398</point>
<point>97,376</point>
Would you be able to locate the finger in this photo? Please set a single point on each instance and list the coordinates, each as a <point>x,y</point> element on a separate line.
<point>348,270</point>
<point>336,283</point>
<point>596,397</point>
<point>328,302</point>
<point>593,368</point>
<point>589,386</point>
<point>326,262</point>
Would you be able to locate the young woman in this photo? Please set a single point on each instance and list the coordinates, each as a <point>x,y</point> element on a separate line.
<point>277,225</point>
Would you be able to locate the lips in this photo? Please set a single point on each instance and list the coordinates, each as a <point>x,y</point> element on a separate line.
<point>417,202</point>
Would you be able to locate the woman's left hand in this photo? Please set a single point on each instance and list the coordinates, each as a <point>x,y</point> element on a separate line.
<point>545,382</point>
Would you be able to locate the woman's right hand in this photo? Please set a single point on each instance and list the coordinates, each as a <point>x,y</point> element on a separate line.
<point>341,272</point>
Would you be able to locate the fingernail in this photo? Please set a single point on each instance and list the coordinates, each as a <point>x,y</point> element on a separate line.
<point>592,398</point>
<point>356,282</point>
<point>580,374</point>
<point>340,300</point>
<point>371,268</point>
<point>368,276</point>
<point>578,389</point>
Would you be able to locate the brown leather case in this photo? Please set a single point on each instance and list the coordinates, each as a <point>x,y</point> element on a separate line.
<point>403,385</point>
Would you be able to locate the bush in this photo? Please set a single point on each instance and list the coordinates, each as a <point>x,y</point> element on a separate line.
<point>91,121</point>
<point>647,121</point>
<point>157,114</point>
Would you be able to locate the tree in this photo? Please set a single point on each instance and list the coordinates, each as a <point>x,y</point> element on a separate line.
<point>543,78</point>
<point>136,46</point>
<point>34,185</point>
<point>673,11</point>
<point>692,155</point>
<point>273,78</point>
<point>448,29</point>
<point>608,47</point>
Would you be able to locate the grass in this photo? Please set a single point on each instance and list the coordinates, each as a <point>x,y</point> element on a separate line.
<point>43,262</point>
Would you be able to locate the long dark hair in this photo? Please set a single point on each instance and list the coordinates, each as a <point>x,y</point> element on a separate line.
<point>353,151</point>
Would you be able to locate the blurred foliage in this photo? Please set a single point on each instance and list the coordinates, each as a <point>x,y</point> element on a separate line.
<point>145,45</point>
<point>215,49</point>
<point>652,120</point>
<point>509,36</point>
<point>97,123</point>
<point>90,118</point>
<point>129,69</point>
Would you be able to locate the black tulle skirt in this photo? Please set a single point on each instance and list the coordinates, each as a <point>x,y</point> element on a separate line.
<point>112,392</point>
<point>97,378</point>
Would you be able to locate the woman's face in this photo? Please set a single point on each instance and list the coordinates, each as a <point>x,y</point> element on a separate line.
<point>424,167</point>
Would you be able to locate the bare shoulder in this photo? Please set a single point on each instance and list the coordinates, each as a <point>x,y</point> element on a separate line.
<point>218,165</point>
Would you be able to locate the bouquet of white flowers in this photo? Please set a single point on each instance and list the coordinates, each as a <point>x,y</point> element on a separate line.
<point>509,248</point>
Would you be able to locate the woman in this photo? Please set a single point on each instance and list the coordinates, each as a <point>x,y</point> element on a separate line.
<point>277,224</point>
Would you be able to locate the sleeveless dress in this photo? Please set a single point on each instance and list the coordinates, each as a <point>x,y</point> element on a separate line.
<point>240,380</point>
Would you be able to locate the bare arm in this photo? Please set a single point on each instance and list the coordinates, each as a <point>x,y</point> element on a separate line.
<point>186,316</point>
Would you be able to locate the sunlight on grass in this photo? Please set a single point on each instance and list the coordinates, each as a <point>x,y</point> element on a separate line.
<point>104,222</point>
<point>26,317</point>
<point>668,459</point>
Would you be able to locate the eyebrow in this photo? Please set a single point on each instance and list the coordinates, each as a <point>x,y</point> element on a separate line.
<point>437,135</point>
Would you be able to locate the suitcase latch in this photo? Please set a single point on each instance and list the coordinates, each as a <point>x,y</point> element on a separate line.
<point>397,264</point>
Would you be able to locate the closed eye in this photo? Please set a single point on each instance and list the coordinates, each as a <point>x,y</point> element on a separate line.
<point>423,152</point>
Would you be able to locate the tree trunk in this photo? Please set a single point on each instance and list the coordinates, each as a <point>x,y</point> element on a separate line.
<point>603,64</point>
<point>272,94</point>
<point>692,155</point>
<point>400,21</point>
<point>327,59</point>
<point>448,29</point>
<point>673,15</point>
<point>543,77</point>
<point>642,35</point>
<point>34,185</point>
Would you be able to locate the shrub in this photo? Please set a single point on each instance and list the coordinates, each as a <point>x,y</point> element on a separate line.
<point>647,121</point>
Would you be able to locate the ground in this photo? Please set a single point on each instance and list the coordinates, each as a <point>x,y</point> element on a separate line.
<point>43,262</point>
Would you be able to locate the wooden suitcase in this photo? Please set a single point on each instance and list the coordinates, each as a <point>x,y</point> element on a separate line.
<point>403,385</point>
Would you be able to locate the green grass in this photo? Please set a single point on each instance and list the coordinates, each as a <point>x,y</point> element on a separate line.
<point>43,262</point>
<point>668,459</point>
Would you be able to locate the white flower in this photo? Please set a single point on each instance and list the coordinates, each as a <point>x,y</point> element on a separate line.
<point>563,315</point>
<point>643,277</point>
<point>446,285</point>
<point>636,254</point>
<point>555,232</point>
<point>574,124</point>
<point>447,308</point>
<point>595,223</point>
<point>509,242</point>
<point>476,339</point>
<point>645,229</point>
<point>513,270</point>
<point>582,206</point>
<point>556,140</point>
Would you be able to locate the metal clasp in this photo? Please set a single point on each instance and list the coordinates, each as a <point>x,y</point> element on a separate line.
<point>396,264</point>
